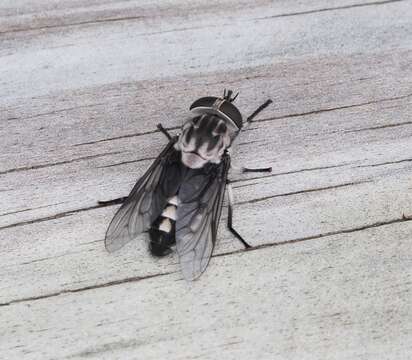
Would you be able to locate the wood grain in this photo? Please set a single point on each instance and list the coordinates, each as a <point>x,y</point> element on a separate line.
<point>82,87</point>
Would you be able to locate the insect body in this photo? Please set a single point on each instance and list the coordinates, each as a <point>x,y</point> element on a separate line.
<point>179,199</point>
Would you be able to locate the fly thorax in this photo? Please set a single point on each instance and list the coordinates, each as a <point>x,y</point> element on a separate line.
<point>203,140</point>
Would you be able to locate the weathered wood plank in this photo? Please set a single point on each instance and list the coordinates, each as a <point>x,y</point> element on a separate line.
<point>301,141</point>
<point>82,87</point>
<point>340,297</point>
<point>279,209</point>
<point>112,52</point>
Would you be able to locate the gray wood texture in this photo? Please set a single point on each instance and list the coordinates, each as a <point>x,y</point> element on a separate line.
<point>82,87</point>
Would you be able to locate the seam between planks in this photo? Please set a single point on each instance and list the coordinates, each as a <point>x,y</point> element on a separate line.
<point>404,218</point>
<point>385,163</point>
<point>126,162</point>
<point>126,136</point>
<point>91,287</point>
<point>55,112</point>
<point>90,22</point>
<point>379,127</point>
<point>289,172</point>
<point>34,167</point>
<point>42,166</point>
<point>320,111</point>
<point>53,217</point>
<point>302,192</point>
<point>374,3</point>
<point>31,209</point>
<point>133,18</point>
<point>114,202</point>
<point>229,253</point>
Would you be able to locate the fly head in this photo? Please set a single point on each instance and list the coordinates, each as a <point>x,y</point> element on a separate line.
<point>206,136</point>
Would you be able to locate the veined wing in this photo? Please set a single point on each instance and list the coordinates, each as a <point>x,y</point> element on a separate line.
<point>146,200</point>
<point>201,198</point>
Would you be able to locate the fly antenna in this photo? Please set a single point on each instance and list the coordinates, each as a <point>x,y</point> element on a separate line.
<point>227,95</point>
<point>234,98</point>
<point>258,110</point>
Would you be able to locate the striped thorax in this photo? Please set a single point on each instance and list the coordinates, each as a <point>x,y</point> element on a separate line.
<point>207,135</point>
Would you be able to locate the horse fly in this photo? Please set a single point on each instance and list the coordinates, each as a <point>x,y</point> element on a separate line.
<point>179,198</point>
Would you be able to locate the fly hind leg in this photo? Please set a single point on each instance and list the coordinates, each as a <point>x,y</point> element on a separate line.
<point>266,169</point>
<point>243,169</point>
<point>230,217</point>
<point>120,200</point>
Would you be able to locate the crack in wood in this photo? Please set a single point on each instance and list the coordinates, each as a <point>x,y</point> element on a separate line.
<point>90,22</point>
<point>404,218</point>
<point>320,111</point>
<point>31,209</point>
<point>246,185</point>
<point>129,18</point>
<point>289,172</point>
<point>375,3</point>
<point>54,112</point>
<point>107,347</point>
<point>385,163</point>
<point>85,288</point>
<point>127,162</point>
<point>302,192</point>
<point>125,136</point>
<point>42,166</point>
<point>250,142</point>
<point>53,217</point>
<point>380,127</point>
<point>62,255</point>
<point>116,202</point>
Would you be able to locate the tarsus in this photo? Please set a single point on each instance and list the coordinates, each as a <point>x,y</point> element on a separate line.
<point>258,110</point>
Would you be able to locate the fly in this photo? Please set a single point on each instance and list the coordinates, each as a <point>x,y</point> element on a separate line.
<point>179,199</point>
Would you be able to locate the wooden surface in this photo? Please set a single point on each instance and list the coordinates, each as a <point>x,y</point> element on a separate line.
<point>81,90</point>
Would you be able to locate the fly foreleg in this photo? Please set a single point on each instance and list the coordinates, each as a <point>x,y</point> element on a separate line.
<point>164,131</point>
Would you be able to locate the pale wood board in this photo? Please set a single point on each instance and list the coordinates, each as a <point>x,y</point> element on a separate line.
<point>82,87</point>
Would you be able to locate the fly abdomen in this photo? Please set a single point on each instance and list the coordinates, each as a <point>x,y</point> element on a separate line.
<point>162,231</point>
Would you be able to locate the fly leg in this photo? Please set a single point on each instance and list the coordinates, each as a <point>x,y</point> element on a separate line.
<point>164,131</point>
<point>231,203</point>
<point>258,110</point>
<point>245,169</point>
<point>248,122</point>
<point>230,217</point>
<point>113,202</point>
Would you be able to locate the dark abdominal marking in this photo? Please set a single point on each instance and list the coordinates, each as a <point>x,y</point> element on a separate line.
<point>162,231</point>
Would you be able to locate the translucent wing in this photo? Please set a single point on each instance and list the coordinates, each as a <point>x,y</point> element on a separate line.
<point>146,200</point>
<point>201,197</point>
